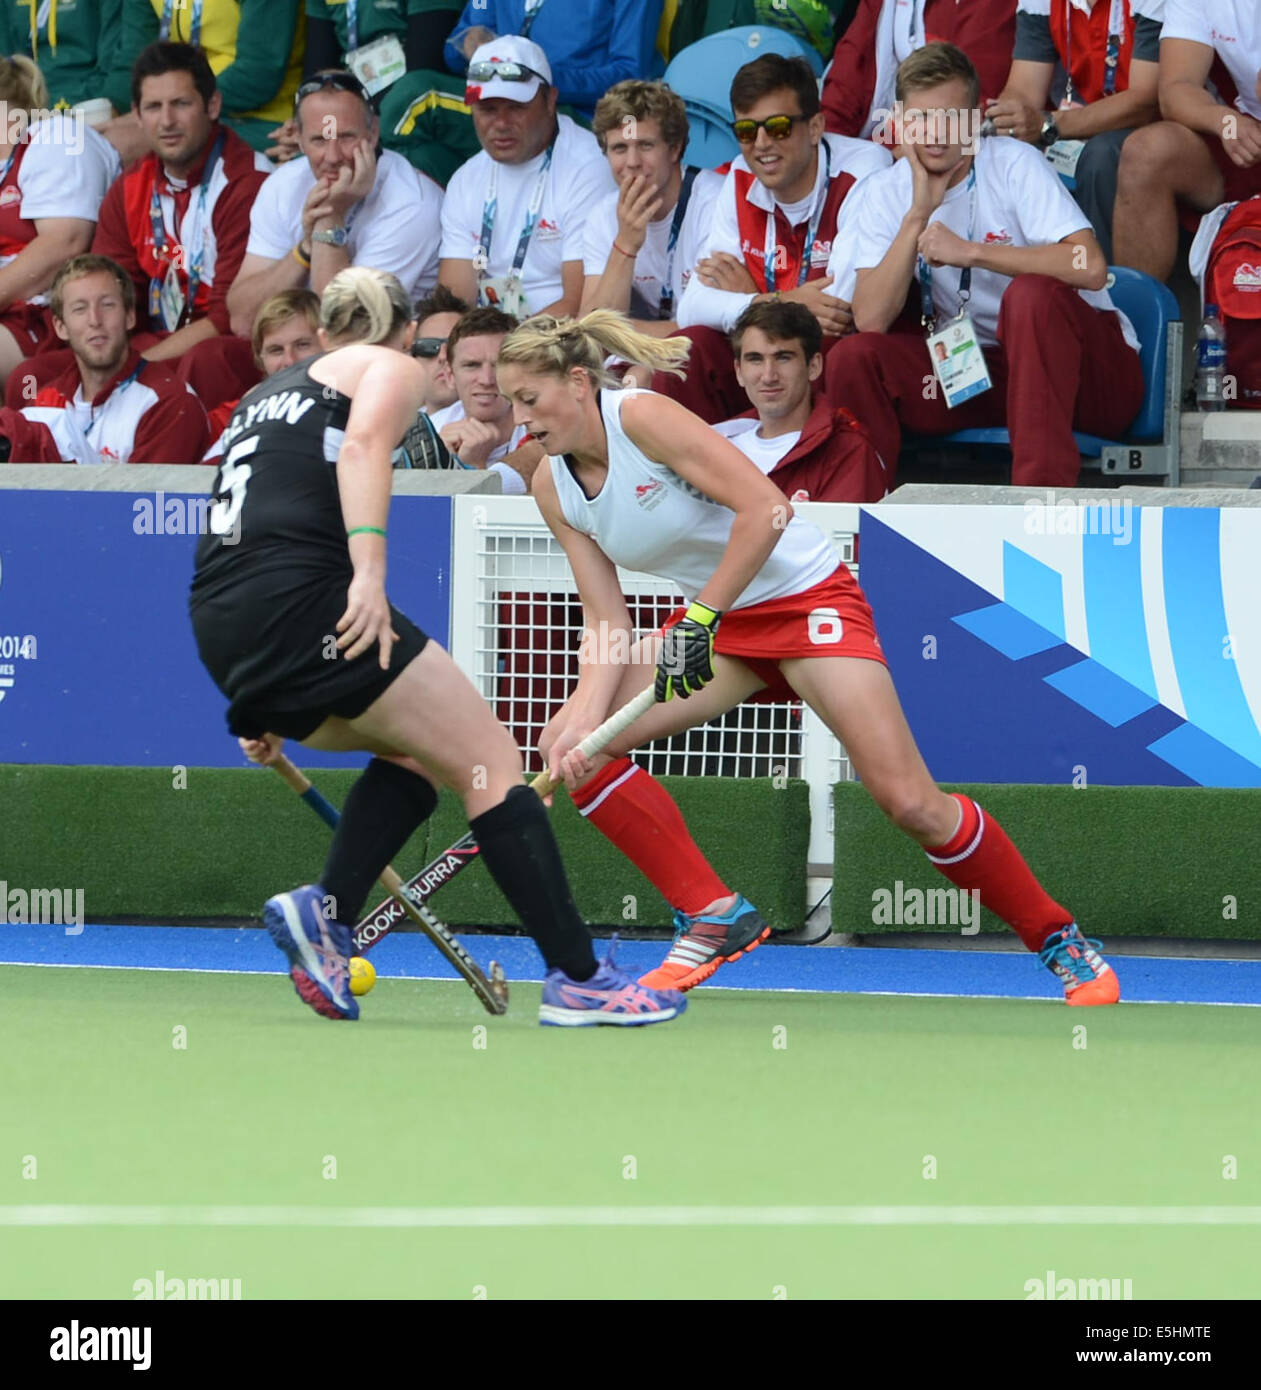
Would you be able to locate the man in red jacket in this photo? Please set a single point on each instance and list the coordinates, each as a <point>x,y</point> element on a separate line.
<point>178,220</point>
<point>110,406</point>
<point>813,451</point>
<point>858,90</point>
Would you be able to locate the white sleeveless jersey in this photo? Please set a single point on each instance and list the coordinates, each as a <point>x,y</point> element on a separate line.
<point>647,518</point>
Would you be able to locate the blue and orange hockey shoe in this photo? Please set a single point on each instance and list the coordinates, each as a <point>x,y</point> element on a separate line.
<point>609,996</point>
<point>703,943</point>
<point>318,949</point>
<point>1087,978</point>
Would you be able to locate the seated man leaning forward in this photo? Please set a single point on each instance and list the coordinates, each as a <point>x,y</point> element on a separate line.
<point>985,239</point>
<point>478,427</point>
<point>810,449</point>
<point>111,405</point>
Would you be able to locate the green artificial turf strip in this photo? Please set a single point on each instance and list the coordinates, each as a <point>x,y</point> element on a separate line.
<point>711,1111</point>
<point>1128,861</point>
<point>202,843</point>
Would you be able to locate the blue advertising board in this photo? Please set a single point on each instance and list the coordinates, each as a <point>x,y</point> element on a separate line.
<point>97,660</point>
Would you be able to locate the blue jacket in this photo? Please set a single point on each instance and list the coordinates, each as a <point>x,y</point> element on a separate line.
<point>590,44</point>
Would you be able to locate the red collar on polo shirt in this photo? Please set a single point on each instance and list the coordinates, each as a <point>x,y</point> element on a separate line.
<point>72,382</point>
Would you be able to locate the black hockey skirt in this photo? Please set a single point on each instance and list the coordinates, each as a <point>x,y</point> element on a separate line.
<point>274,655</point>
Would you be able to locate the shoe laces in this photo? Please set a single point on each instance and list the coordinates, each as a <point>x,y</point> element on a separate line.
<point>1057,952</point>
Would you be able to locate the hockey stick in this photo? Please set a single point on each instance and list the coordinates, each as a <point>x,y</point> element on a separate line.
<point>493,992</point>
<point>422,886</point>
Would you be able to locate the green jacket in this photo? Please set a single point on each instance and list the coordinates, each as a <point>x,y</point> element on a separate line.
<point>75,46</point>
<point>811,20</point>
<point>375,17</point>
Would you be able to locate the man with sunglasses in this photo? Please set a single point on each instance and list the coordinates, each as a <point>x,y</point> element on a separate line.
<point>348,202</point>
<point>773,224</point>
<point>514,216</point>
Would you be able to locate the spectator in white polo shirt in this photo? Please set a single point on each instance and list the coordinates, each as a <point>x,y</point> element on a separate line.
<point>643,239</point>
<point>513,217</point>
<point>347,203</point>
<point>477,427</point>
<point>1207,150</point>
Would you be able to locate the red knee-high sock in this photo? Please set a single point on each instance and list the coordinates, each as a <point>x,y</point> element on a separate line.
<point>639,816</point>
<point>980,856</point>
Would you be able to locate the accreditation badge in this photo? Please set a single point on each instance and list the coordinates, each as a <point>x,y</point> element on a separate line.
<point>504,292</point>
<point>378,64</point>
<point>171,300</point>
<point>1063,156</point>
<point>958,362</point>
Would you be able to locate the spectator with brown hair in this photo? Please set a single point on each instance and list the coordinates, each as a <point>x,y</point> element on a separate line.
<point>1207,150</point>
<point>478,427</point>
<point>641,242</point>
<point>858,90</point>
<point>110,406</point>
<point>54,172</point>
<point>772,227</point>
<point>436,315</point>
<point>812,450</point>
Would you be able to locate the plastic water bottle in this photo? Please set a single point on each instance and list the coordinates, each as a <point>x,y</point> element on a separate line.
<point>1210,362</point>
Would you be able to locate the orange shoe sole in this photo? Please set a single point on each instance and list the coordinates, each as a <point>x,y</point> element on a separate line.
<point>661,977</point>
<point>1106,989</point>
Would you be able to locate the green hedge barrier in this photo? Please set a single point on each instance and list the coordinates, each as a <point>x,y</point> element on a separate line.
<point>1130,861</point>
<point>150,843</point>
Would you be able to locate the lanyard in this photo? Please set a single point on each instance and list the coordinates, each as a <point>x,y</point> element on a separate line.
<point>532,8</point>
<point>812,230</point>
<point>194,35</point>
<point>117,391</point>
<point>1112,56</point>
<point>160,248</point>
<point>48,8</point>
<point>352,25</point>
<point>531,219</point>
<point>928,315</point>
<point>665,308</point>
<point>8,164</point>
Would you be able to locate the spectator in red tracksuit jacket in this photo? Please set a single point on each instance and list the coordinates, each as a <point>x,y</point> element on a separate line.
<point>178,220</point>
<point>858,89</point>
<point>110,406</point>
<point>812,450</point>
<point>771,227</point>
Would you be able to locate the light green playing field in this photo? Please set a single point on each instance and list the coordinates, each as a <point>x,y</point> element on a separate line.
<point>831,1105</point>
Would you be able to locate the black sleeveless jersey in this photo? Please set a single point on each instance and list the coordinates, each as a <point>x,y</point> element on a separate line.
<point>276,520</point>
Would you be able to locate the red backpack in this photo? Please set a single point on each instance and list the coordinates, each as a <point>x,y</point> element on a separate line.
<point>1232,281</point>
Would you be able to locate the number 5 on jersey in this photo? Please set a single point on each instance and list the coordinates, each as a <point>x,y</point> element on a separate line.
<point>233,477</point>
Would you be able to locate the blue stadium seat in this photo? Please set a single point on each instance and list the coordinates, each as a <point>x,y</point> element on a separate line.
<point>701,74</point>
<point>1151,445</point>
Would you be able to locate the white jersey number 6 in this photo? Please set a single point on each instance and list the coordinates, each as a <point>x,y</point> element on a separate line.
<point>825,627</point>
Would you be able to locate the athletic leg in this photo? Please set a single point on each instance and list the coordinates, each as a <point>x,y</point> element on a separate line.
<point>857,701</point>
<point>1160,164</point>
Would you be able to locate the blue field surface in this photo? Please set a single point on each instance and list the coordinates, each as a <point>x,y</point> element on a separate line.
<point>825,970</point>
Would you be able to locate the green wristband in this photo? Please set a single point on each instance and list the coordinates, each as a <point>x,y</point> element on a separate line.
<point>365,530</point>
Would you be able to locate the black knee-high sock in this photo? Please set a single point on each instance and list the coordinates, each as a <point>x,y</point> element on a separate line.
<point>520,851</point>
<point>384,807</point>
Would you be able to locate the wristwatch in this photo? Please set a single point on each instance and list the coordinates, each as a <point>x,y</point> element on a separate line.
<point>334,236</point>
<point>1049,134</point>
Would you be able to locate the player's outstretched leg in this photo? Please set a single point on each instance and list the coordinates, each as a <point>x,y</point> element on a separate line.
<point>318,949</point>
<point>857,700</point>
<point>434,713</point>
<point>712,924</point>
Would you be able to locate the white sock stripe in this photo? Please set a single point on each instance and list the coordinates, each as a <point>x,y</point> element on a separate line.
<point>976,840</point>
<point>608,791</point>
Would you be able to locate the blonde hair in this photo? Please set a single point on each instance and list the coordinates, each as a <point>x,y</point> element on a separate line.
<point>361,305</point>
<point>555,346</point>
<point>280,308</point>
<point>22,85</point>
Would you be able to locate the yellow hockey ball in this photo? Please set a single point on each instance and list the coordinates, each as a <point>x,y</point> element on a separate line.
<point>363,975</point>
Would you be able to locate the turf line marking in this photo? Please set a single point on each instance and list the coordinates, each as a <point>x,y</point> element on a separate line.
<point>387,1218</point>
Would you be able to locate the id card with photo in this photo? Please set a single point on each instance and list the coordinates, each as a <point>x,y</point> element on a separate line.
<point>378,64</point>
<point>504,292</point>
<point>958,362</point>
<point>1063,156</point>
<point>171,301</point>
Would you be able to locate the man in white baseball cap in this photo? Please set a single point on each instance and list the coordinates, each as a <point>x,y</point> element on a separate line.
<point>513,216</point>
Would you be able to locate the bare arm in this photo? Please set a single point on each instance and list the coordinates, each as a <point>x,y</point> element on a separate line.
<point>672,435</point>
<point>35,266</point>
<point>1078,260</point>
<point>1138,105</point>
<point>180,341</point>
<point>460,278</point>
<point>1184,67</point>
<point>259,279</point>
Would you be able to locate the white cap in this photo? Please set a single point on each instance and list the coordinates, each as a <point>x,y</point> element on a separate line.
<point>508,48</point>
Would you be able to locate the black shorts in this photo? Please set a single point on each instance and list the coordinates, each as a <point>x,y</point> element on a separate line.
<point>274,656</point>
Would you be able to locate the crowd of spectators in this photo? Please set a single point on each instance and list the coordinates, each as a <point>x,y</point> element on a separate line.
<point>915,243</point>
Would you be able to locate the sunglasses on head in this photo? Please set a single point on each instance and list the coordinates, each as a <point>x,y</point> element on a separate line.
<point>777,127</point>
<point>508,72</point>
<point>428,347</point>
<point>342,81</point>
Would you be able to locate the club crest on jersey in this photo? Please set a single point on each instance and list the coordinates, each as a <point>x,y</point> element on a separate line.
<point>648,495</point>
<point>1002,237</point>
<point>1248,278</point>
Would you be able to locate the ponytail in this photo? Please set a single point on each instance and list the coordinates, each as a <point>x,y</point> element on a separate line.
<point>361,305</point>
<point>555,346</point>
